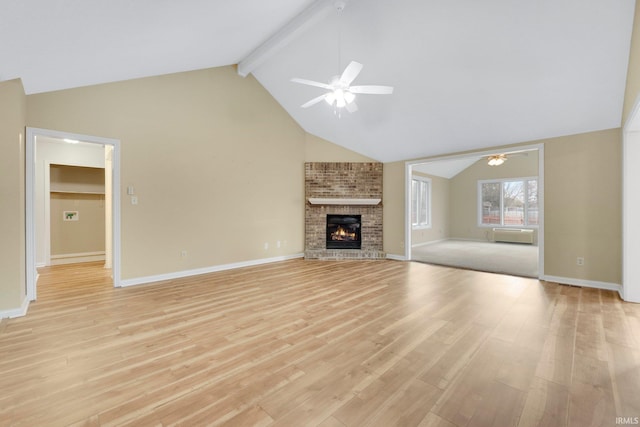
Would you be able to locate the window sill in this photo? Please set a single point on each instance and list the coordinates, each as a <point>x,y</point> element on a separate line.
<point>420,227</point>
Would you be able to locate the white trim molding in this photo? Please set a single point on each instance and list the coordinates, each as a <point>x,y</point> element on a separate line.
<point>431,242</point>
<point>584,283</point>
<point>16,312</point>
<point>30,167</point>
<point>630,205</point>
<point>396,257</point>
<point>343,202</point>
<point>75,258</point>
<point>205,270</point>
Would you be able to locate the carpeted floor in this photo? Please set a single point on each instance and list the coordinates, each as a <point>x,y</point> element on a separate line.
<point>507,258</point>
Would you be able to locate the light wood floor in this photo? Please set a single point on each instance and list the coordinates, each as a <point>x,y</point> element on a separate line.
<point>297,343</point>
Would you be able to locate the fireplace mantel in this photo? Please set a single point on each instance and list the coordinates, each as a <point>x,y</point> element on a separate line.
<point>343,201</point>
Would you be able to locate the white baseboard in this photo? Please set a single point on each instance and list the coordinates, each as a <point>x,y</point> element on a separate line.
<point>16,312</point>
<point>186,273</point>
<point>431,242</point>
<point>79,257</point>
<point>396,257</point>
<point>584,283</point>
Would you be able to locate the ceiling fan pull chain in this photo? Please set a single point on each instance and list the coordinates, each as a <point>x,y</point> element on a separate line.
<point>340,7</point>
<point>340,92</point>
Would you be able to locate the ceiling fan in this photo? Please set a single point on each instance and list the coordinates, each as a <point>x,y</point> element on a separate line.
<point>498,159</point>
<point>340,90</point>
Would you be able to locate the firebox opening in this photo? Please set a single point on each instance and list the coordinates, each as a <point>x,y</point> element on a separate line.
<point>344,231</point>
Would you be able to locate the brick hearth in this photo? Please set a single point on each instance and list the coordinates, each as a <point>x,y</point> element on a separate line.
<point>343,181</point>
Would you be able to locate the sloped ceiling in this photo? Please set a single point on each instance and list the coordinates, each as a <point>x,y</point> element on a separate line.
<point>467,74</point>
<point>61,44</point>
<point>446,168</point>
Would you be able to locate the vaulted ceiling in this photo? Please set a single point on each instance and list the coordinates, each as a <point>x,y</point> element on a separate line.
<point>467,74</point>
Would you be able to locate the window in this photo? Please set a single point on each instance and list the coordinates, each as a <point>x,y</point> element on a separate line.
<point>420,202</point>
<point>508,202</point>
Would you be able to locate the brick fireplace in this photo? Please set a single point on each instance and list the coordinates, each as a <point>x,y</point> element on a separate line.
<point>343,190</point>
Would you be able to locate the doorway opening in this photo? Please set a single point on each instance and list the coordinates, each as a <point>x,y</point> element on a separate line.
<point>45,148</point>
<point>484,214</point>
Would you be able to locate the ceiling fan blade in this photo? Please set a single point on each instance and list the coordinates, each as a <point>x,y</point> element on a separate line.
<point>372,90</point>
<point>311,83</point>
<point>350,73</point>
<point>313,101</point>
<point>352,107</point>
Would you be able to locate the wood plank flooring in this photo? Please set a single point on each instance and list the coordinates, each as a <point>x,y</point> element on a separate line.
<point>320,343</point>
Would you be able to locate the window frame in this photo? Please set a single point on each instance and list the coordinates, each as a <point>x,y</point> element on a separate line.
<point>429,187</point>
<point>501,181</point>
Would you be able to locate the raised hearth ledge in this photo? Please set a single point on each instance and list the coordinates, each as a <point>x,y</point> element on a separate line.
<point>344,202</point>
<point>342,254</point>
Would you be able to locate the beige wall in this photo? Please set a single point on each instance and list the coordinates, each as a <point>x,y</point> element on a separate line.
<point>12,199</point>
<point>321,150</point>
<point>78,179</point>
<point>393,199</point>
<point>440,213</point>
<point>78,189</point>
<point>82,236</point>
<point>583,206</point>
<point>216,163</point>
<point>464,192</point>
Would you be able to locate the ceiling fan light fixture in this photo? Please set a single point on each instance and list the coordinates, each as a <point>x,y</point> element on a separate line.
<point>496,159</point>
<point>340,96</point>
<point>330,98</point>
<point>349,97</point>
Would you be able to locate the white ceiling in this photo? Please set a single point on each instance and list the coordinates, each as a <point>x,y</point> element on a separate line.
<point>446,168</point>
<point>60,44</point>
<point>467,74</point>
<point>450,167</point>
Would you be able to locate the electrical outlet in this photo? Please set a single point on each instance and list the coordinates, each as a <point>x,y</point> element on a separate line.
<point>580,260</point>
<point>266,246</point>
<point>183,254</point>
<point>278,244</point>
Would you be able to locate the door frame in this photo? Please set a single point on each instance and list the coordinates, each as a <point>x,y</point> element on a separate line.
<point>630,204</point>
<point>30,169</point>
<point>483,153</point>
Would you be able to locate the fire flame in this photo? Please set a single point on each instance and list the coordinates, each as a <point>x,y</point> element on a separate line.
<point>343,234</point>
